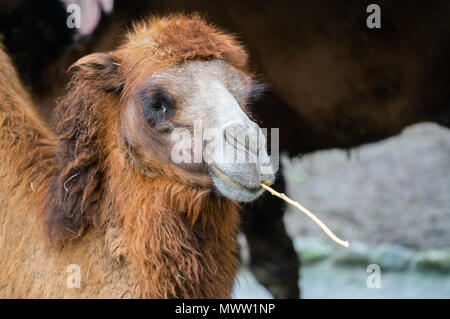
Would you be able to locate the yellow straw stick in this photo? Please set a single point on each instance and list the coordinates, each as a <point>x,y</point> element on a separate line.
<point>307,212</point>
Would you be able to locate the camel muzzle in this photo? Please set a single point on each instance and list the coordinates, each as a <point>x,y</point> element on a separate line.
<point>242,164</point>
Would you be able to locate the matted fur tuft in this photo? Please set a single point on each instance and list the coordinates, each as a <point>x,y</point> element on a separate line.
<point>77,185</point>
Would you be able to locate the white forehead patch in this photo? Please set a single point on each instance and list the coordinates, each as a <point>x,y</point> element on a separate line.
<point>220,105</point>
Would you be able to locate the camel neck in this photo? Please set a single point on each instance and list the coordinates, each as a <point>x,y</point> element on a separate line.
<point>180,240</point>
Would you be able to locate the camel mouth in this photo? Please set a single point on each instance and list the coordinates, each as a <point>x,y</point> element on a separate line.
<point>233,188</point>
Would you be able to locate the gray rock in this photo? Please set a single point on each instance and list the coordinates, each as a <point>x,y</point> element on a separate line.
<point>355,255</point>
<point>391,257</point>
<point>394,191</point>
<point>434,260</point>
<point>311,251</point>
<point>312,256</point>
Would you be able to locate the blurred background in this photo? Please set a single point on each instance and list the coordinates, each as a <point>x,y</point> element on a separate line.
<point>361,98</point>
<point>390,200</point>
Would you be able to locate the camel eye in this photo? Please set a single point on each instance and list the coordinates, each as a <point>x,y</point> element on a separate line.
<point>157,106</point>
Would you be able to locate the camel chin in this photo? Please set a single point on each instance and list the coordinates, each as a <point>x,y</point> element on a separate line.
<point>241,186</point>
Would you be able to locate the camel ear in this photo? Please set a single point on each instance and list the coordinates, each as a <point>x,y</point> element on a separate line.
<point>73,200</point>
<point>99,68</point>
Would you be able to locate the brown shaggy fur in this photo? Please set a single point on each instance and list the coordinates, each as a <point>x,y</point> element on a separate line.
<point>156,234</point>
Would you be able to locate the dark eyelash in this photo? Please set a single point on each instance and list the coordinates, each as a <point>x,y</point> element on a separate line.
<point>157,106</point>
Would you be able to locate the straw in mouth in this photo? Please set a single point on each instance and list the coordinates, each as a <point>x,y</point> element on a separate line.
<point>307,212</point>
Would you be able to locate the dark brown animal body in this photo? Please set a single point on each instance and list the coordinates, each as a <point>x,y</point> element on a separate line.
<point>335,82</point>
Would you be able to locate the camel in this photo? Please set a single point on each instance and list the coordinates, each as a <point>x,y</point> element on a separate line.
<point>334,82</point>
<point>102,197</point>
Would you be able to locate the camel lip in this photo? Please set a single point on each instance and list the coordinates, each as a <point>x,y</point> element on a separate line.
<point>219,174</point>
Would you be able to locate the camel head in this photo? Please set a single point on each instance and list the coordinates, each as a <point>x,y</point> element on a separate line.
<point>193,116</point>
<point>172,101</point>
<point>184,96</point>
